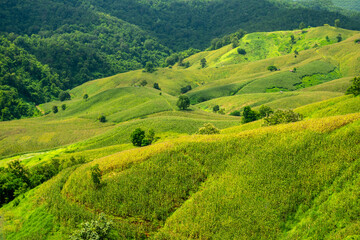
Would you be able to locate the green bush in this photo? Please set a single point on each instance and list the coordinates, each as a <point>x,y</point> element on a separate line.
<point>282,116</point>
<point>137,137</point>
<point>216,108</point>
<point>265,111</point>
<point>272,68</point>
<point>96,175</point>
<point>235,113</point>
<point>63,107</point>
<point>241,51</point>
<point>102,118</point>
<point>355,87</point>
<point>208,128</point>
<point>249,115</point>
<point>64,96</point>
<point>95,230</point>
<point>183,102</point>
<point>55,109</point>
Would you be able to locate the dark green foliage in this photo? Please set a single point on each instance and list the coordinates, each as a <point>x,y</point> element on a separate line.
<point>102,118</point>
<point>357,41</point>
<point>95,230</point>
<point>55,109</point>
<point>339,37</point>
<point>265,111</point>
<point>183,102</point>
<point>272,68</point>
<point>63,107</point>
<point>233,39</point>
<point>156,86</point>
<point>337,22</point>
<point>63,96</point>
<point>137,137</point>
<point>216,108</point>
<point>178,57</point>
<point>208,129</point>
<point>327,39</point>
<point>203,62</point>
<point>185,89</point>
<point>355,87</point>
<point>96,175</point>
<point>241,51</point>
<point>149,67</point>
<point>235,113</point>
<point>143,83</point>
<point>282,116</point>
<point>249,115</point>
<point>86,96</point>
<point>302,25</point>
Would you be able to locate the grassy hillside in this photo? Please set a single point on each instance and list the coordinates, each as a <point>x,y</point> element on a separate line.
<point>288,181</point>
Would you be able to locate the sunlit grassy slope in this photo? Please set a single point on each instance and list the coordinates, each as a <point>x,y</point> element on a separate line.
<point>278,182</point>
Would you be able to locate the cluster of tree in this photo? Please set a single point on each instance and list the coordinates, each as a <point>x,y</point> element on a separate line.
<point>140,139</point>
<point>183,24</point>
<point>23,79</point>
<point>16,179</point>
<point>233,39</point>
<point>179,57</point>
<point>270,116</point>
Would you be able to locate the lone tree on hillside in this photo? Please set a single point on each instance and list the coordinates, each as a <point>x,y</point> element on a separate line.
<point>203,62</point>
<point>86,96</point>
<point>156,86</point>
<point>216,108</point>
<point>183,102</point>
<point>55,109</point>
<point>143,83</point>
<point>96,175</point>
<point>339,37</point>
<point>265,111</point>
<point>102,118</point>
<point>63,107</point>
<point>355,87</point>
<point>64,96</point>
<point>137,137</point>
<point>249,115</point>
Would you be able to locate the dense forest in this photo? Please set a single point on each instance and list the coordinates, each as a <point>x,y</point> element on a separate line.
<point>75,41</point>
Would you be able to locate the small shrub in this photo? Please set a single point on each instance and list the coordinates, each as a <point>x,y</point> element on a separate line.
<point>222,111</point>
<point>55,109</point>
<point>357,41</point>
<point>235,113</point>
<point>241,51</point>
<point>282,116</point>
<point>63,107</point>
<point>203,62</point>
<point>96,229</point>
<point>355,87</point>
<point>185,89</point>
<point>156,86</point>
<point>272,68</point>
<point>102,118</point>
<point>208,129</point>
<point>216,108</point>
<point>143,83</point>
<point>96,175</point>
<point>86,96</point>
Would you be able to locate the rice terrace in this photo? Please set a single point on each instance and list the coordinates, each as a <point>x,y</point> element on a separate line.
<point>137,119</point>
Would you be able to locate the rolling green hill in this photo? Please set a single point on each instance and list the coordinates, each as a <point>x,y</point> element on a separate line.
<point>250,181</point>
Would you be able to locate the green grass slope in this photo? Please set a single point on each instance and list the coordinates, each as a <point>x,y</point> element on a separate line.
<point>270,183</point>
